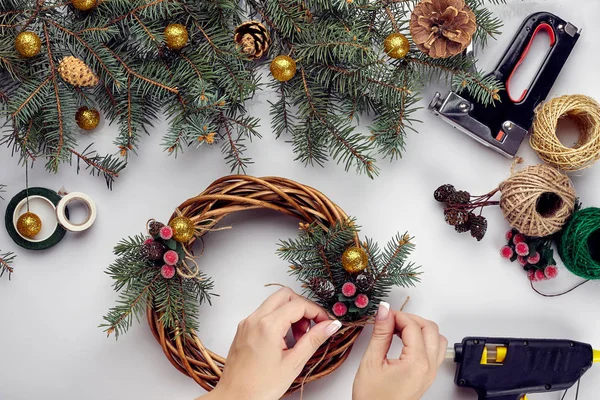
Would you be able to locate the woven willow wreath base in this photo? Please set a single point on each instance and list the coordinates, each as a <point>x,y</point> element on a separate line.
<point>229,195</point>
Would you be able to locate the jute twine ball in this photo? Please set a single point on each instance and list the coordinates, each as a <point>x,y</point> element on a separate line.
<point>579,246</point>
<point>582,110</point>
<point>538,200</point>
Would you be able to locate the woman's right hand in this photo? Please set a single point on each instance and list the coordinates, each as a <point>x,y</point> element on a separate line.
<point>409,376</point>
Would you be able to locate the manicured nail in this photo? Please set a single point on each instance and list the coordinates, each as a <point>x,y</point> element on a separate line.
<point>308,329</point>
<point>383,311</point>
<point>333,327</point>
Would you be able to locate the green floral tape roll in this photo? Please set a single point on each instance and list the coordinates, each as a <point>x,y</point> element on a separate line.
<point>14,207</point>
<point>579,247</point>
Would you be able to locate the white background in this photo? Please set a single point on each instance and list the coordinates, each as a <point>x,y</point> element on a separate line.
<point>51,348</point>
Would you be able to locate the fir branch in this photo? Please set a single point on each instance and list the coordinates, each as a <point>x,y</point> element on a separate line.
<point>5,260</point>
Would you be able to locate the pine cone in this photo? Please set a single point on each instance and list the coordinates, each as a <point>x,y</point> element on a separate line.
<point>322,288</point>
<point>441,194</point>
<point>154,227</point>
<point>478,226</point>
<point>76,72</point>
<point>364,282</point>
<point>460,197</point>
<point>442,28</point>
<point>253,37</point>
<point>455,217</point>
<point>462,228</point>
<point>152,251</point>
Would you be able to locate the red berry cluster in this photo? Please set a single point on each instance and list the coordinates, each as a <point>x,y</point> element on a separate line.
<point>535,255</point>
<point>160,250</point>
<point>349,300</point>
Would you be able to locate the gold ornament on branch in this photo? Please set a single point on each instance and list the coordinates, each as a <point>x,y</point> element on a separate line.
<point>28,44</point>
<point>75,71</point>
<point>355,260</point>
<point>29,225</point>
<point>87,118</point>
<point>84,5</point>
<point>442,28</point>
<point>176,36</point>
<point>283,68</point>
<point>253,38</point>
<point>183,229</point>
<point>396,45</point>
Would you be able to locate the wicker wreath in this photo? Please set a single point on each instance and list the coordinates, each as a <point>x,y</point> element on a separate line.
<point>229,195</point>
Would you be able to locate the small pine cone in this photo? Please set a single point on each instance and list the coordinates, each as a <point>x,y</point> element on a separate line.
<point>364,282</point>
<point>455,217</point>
<point>322,288</point>
<point>441,194</point>
<point>460,197</point>
<point>75,71</point>
<point>152,251</point>
<point>253,38</point>
<point>462,228</point>
<point>478,227</point>
<point>154,227</point>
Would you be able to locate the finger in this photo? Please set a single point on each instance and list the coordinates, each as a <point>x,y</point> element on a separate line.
<point>383,333</point>
<point>411,335</point>
<point>300,328</point>
<point>274,301</point>
<point>308,344</point>
<point>282,318</point>
<point>442,350</point>
<point>431,338</point>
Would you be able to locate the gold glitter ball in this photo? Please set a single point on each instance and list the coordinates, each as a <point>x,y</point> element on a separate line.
<point>176,36</point>
<point>355,260</point>
<point>396,45</point>
<point>84,5</point>
<point>29,225</point>
<point>87,118</point>
<point>183,229</point>
<point>28,44</point>
<point>283,68</point>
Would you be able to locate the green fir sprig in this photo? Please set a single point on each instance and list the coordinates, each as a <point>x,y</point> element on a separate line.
<point>6,260</point>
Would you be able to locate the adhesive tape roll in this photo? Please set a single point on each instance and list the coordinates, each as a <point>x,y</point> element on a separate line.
<point>12,215</point>
<point>63,217</point>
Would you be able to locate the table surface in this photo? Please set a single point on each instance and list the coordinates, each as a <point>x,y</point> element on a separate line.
<point>51,347</point>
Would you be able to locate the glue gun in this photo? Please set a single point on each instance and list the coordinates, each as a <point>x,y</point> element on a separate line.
<point>503,127</point>
<point>509,369</point>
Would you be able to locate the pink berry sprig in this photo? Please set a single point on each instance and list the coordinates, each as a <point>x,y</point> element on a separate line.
<point>535,255</point>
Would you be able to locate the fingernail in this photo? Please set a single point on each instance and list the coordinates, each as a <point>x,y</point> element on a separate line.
<point>383,311</point>
<point>308,329</point>
<point>333,327</point>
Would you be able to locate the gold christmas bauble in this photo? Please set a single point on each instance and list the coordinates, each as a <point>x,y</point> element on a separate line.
<point>283,68</point>
<point>396,45</point>
<point>84,5</point>
<point>28,44</point>
<point>87,118</point>
<point>355,260</point>
<point>183,229</point>
<point>29,225</point>
<point>176,36</point>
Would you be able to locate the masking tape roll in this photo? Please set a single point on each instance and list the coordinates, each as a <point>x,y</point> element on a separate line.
<point>63,217</point>
<point>12,215</point>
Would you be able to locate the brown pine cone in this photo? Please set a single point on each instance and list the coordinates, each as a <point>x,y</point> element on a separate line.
<point>460,197</point>
<point>462,228</point>
<point>441,194</point>
<point>364,282</point>
<point>154,227</point>
<point>442,28</point>
<point>478,226</point>
<point>455,217</point>
<point>253,38</point>
<point>75,71</point>
<point>322,288</point>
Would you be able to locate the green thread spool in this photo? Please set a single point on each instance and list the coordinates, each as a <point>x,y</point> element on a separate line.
<point>579,245</point>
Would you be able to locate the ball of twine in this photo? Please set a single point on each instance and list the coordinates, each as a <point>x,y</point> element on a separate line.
<point>579,246</point>
<point>582,110</point>
<point>538,200</point>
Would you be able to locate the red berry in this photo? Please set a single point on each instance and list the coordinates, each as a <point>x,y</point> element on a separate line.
<point>509,234</point>
<point>551,272</point>
<point>361,301</point>
<point>539,275</point>
<point>522,261</point>
<point>339,309</point>
<point>148,241</point>
<point>531,275</point>
<point>534,259</point>
<point>167,271</point>
<point>171,257</point>
<point>522,249</point>
<point>506,252</point>
<point>166,232</point>
<point>518,238</point>
<point>349,289</point>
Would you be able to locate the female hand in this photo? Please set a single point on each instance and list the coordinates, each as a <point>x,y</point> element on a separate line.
<point>407,377</point>
<point>260,366</point>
